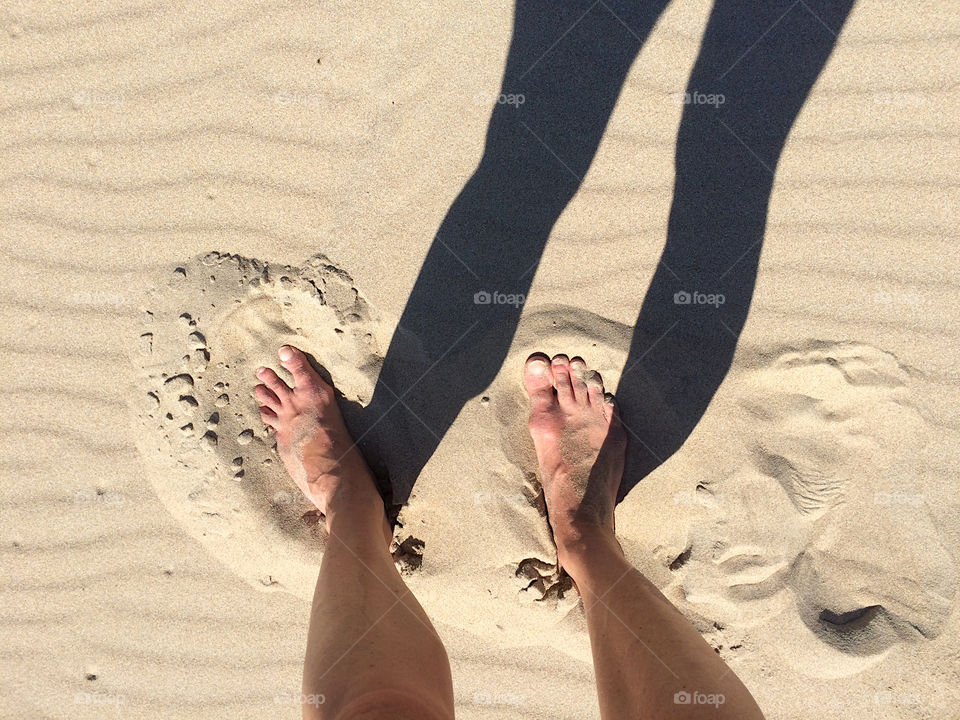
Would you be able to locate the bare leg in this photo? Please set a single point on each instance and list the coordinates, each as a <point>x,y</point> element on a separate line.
<point>650,662</point>
<point>371,649</point>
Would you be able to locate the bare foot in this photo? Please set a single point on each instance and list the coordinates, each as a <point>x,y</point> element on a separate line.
<point>580,446</point>
<point>313,441</point>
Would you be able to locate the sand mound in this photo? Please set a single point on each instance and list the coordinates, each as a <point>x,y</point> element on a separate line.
<point>811,517</point>
<point>764,529</point>
<point>210,325</point>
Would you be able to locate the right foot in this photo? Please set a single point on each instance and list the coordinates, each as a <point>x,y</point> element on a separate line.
<point>313,441</point>
<point>580,444</point>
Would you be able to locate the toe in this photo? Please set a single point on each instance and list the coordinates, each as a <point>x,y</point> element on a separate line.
<point>578,378</point>
<point>560,367</point>
<point>279,388</point>
<point>538,380</point>
<point>610,409</point>
<point>594,388</point>
<point>266,396</point>
<point>296,362</point>
<point>269,417</point>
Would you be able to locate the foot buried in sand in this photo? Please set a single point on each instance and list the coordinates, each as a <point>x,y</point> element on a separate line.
<point>580,444</point>
<point>313,441</point>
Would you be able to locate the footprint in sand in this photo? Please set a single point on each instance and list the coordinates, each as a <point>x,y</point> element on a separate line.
<point>802,495</point>
<point>210,459</point>
<point>818,523</point>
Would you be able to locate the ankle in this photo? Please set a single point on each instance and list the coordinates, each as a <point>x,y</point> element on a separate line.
<point>359,525</point>
<point>355,510</point>
<point>577,543</point>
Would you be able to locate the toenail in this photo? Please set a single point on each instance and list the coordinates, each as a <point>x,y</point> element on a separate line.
<point>537,365</point>
<point>261,370</point>
<point>285,353</point>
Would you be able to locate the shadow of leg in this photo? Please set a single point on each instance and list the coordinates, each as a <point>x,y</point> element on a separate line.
<point>757,64</point>
<point>568,63</point>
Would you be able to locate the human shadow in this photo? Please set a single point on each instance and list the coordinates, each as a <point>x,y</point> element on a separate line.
<point>756,66</point>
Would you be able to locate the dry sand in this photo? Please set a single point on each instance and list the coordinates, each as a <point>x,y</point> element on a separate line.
<point>185,188</point>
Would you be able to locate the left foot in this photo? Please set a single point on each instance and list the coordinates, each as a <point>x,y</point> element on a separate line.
<point>312,439</point>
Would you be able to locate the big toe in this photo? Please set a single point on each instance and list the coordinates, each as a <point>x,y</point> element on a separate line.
<point>296,362</point>
<point>538,379</point>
